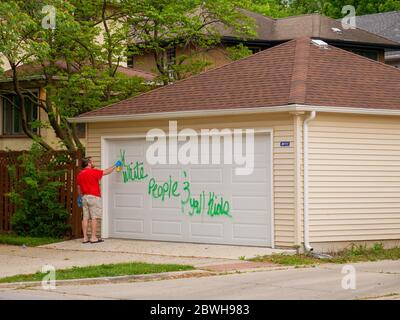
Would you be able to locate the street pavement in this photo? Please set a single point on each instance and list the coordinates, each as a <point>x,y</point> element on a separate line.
<point>374,280</point>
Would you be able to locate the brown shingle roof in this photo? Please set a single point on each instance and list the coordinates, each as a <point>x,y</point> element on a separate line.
<point>31,69</point>
<point>296,72</point>
<point>310,25</point>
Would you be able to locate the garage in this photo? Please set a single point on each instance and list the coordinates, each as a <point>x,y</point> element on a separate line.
<point>326,170</point>
<point>134,212</point>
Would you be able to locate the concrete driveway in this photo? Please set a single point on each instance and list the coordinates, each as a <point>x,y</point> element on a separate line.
<point>18,260</point>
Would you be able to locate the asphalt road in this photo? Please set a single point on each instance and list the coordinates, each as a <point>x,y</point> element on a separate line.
<point>372,279</point>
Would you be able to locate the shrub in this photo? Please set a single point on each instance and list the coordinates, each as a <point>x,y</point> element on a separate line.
<point>35,195</point>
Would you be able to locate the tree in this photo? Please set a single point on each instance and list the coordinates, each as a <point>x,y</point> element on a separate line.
<point>270,8</point>
<point>238,52</point>
<point>159,25</point>
<point>333,8</point>
<point>79,72</point>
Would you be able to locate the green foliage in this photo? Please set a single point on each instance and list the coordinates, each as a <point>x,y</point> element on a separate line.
<point>164,24</point>
<point>354,253</point>
<point>104,270</point>
<point>333,8</point>
<point>287,260</point>
<point>270,8</point>
<point>238,52</point>
<point>13,239</point>
<point>38,210</point>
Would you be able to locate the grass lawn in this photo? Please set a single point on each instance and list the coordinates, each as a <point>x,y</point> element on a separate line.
<point>9,238</point>
<point>353,254</point>
<point>104,270</point>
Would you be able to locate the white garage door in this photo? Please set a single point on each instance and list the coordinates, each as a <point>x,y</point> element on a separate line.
<point>223,208</point>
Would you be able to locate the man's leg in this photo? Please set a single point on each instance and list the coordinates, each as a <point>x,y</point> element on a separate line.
<point>85,218</point>
<point>85,229</point>
<point>93,236</point>
<point>95,208</point>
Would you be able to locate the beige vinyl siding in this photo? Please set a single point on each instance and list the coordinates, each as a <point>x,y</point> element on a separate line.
<point>354,178</point>
<point>283,158</point>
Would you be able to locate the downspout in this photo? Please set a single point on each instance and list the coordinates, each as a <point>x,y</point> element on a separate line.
<point>307,245</point>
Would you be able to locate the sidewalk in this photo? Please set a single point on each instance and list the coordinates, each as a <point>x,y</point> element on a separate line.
<point>19,260</point>
<point>172,249</point>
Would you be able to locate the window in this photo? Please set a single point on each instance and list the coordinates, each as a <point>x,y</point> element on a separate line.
<point>170,61</point>
<point>254,49</point>
<point>130,61</point>
<point>171,56</point>
<point>81,130</point>
<point>12,123</point>
<point>373,55</point>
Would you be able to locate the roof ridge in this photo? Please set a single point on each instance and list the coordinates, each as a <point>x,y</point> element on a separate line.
<point>298,85</point>
<point>299,15</point>
<point>379,13</point>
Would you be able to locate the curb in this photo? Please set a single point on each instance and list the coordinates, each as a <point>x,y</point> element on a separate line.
<point>117,279</point>
<point>198,273</point>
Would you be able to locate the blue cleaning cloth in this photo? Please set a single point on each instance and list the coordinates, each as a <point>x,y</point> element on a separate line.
<point>79,201</point>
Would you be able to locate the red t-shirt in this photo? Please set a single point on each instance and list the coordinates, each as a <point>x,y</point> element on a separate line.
<point>88,180</point>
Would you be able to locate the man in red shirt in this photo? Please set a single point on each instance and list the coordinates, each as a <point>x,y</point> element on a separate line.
<point>90,198</point>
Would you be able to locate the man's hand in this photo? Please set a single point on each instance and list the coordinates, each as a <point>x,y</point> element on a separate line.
<point>79,201</point>
<point>118,165</point>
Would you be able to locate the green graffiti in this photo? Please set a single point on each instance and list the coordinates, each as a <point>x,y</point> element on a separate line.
<point>197,206</point>
<point>133,171</point>
<point>213,206</point>
<point>167,189</point>
<point>216,208</point>
<point>186,189</point>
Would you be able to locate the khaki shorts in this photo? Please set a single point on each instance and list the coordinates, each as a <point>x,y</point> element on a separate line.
<point>92,207</point>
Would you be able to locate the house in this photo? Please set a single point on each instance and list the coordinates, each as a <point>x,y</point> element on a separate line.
<point>272,32</point>
<point>386,25</point>
<point>12,136</point>
<point>326,153</point>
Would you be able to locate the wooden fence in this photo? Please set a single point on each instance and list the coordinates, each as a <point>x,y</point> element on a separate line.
<point>68,193</point>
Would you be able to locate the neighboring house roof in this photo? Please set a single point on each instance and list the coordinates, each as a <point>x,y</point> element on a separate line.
<point>31,70</point>
<point>386,24</point>
<point>296,72</point>
<point>311,25</point>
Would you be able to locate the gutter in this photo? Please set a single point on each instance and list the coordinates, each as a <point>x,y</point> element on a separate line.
<point>311,117</point>
<point>236,111</point>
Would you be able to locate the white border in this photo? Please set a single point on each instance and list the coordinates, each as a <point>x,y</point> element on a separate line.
<point>105,140</point>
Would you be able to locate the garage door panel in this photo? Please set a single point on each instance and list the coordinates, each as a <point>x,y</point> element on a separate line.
<point>128,200</point>
<point>250,232</point>
<point>167,228</point>
<point>163,174</point>
<point>258,175</point>
<point>166,205</point>
<point>132,226</point>
<point>206,175</point>
<point>136,214</point>
<point>206,230</point>
<point>251,191</point>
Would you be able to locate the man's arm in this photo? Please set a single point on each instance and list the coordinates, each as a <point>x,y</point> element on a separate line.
<point>108,170</point>
<point>79,191</point>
